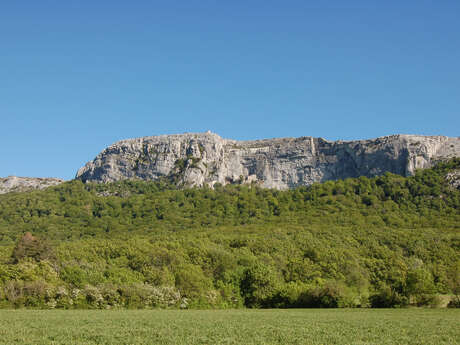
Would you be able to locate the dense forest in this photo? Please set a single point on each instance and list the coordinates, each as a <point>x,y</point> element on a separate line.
<point>388,241</point>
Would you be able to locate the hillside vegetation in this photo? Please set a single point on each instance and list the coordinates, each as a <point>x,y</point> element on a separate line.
<point>381,242</point>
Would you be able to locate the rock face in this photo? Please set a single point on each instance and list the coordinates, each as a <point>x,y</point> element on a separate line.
<point>23,184</point>
<point>199,159</point>
<point>453,179</point>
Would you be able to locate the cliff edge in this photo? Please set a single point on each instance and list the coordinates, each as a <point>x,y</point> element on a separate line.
<point>204,159</point>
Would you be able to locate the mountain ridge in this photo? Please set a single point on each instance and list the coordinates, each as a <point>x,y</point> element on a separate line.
<point>206,159</point>
<point>23,184</point>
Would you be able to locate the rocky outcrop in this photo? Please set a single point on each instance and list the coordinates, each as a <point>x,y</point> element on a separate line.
<point>24,184</point>
<point>199,159</point>
<point>453,179</point>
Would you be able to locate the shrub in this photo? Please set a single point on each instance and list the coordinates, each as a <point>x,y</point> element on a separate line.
<point>454,303</point>
<point>259,285</point>
<point>386,297</point>
<point>93,296</point>
<point>191,281</point>
<point>14,293</point>
<point>333,294</point>
<point>164,296</point>
<point>33,247</point>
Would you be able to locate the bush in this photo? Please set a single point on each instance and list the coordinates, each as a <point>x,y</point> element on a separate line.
<point>259,285</point>
<point>192,282</point>
<point>430,300</point>
<point>93,296</point>
<point>386,297</point>
<point>164,296</point>
<point>454,303</point>
<point>33,247</point>
<point>332,294</point>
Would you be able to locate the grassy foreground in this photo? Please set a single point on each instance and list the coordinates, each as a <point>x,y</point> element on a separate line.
<point>295,326</point>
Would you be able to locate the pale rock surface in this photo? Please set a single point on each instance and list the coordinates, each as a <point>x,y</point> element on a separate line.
<point>204,159</point>
<point>453,179</point>
<point>24,184</point>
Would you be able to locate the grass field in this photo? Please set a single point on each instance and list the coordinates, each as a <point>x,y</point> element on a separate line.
<point>307,326</point>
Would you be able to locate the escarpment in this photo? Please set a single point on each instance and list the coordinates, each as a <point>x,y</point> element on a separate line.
<point>204,159</point>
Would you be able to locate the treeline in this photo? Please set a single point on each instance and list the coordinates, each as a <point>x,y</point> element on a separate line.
<point>366,242</point>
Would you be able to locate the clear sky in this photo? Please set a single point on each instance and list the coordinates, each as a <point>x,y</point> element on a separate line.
<point>76,76</point>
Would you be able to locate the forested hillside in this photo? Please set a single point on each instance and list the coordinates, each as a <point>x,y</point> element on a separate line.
<point>385,241</point>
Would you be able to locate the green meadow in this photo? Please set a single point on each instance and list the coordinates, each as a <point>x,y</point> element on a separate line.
<point>237,326</point>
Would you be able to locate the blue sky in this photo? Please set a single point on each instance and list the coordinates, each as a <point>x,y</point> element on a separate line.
<point>76,76</point>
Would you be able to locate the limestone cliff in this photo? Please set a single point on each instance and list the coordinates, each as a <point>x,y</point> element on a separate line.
<point>24,184</point>
<point>198,159</point>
